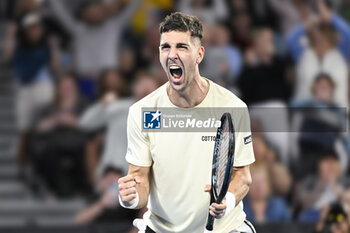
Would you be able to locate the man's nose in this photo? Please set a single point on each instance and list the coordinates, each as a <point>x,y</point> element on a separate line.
<point>172,53</point>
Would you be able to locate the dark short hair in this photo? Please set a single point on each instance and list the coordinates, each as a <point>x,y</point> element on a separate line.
<point>324,76</point>
<point>326,29</point>
<point>182,22</point>
<point>121,91</point>
<point>328,154</point>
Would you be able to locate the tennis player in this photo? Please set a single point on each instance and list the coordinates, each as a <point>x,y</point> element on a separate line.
<point>171,171</point>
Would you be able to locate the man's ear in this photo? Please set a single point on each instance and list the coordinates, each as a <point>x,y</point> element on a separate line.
<point>200,54</point>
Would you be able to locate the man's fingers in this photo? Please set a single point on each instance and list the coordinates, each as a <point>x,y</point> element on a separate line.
<point>129,197</point>
<point>125,192</point>
<point>216,211</point>
<point>216,214</point>
<point>127,185</point>
<point>125,179</point>
<point>221,206</point>
<point>127,188</point>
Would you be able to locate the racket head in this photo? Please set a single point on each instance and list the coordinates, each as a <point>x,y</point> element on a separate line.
<point>223,157</point>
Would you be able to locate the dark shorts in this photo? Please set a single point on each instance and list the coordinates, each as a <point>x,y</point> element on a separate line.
<point>149,230</point>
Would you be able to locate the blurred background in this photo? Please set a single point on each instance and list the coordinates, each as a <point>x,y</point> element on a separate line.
<point>69,70</point>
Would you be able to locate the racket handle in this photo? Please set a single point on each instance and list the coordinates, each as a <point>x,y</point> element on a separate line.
<point>210,223</point>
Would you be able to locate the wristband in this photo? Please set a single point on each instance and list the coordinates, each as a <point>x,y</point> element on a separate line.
<point>133,206</point>
<point>230,203</point>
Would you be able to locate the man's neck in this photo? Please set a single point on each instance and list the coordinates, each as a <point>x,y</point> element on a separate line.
<point>193,95</point>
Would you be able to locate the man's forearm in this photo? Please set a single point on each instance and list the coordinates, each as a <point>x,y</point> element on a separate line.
<point>240,182</point>
<point>142,178</point>
<point>143,193</point>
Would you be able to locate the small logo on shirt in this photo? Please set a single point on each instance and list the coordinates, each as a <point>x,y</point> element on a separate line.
<point>128,152</point>
<point>152,119</point>
<point>248,139</point>
<point>208,138</point>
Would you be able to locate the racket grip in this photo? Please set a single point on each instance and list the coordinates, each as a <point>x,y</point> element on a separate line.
<point>210,223</point>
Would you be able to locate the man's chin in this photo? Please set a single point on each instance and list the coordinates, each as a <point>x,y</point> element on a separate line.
<point>178,87</point>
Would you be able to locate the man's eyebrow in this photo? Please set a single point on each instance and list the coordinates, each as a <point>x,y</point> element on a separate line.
<point>164,44</point>
<point>181,44</point>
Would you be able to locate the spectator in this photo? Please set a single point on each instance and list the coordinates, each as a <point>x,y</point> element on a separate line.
<point>223,61</point>
<point>151,59</point>
<point>263,14</point>
<point>281,179</point>
<point>265,86</point>
<point>324,53</point>
<point>289,13</point>
<point>112,88</point>
<point>260,205</point>
<point>240,24</point>
<point>144,84</point>
<point>320,124</point>
<point>248,14</point>
<point>111,112</point>
<point>128,64</point>
<point>33,57</point>
<point>96,38</point>
<point>151,44</point>
<point>104,207</point>
<point>16,10</point>
<point>111,81</point>
<point>334,219</point>
<point>265,70</point>
<point>200,8</point>
<point>317,191</point>
<point>57,143</point>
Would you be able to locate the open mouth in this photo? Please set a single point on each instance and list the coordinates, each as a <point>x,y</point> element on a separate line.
<point>175,71</point>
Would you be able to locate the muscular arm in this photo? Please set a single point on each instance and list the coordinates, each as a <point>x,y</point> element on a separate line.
<point>142,175</point>
<point>239,186</point>
<point>240,182</point>
<point>138,179</point>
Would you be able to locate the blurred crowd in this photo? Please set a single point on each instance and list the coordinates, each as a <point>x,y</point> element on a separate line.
<point>79,65</point>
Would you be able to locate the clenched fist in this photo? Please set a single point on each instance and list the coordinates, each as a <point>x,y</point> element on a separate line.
<point>215,209</point>
<point>128,189</point>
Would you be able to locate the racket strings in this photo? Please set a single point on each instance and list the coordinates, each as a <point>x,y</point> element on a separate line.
<point>223,155</point>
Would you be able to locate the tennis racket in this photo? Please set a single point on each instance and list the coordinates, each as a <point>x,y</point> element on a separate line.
<point>223,157</point>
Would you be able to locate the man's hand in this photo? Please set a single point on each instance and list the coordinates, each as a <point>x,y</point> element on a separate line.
<point>127,189</point>
<point>108,98</point>
<point>215,209</point>
<point>325,13</point>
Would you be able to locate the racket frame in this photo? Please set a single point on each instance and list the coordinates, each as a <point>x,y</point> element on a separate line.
<point>214,195</point>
